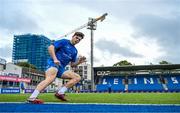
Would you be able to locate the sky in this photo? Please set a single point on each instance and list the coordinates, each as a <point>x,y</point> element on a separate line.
<point>139,31</point>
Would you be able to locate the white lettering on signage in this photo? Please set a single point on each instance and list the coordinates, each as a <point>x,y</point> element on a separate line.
<point>150,81</point>
<point>104,81</point>
<point>135,80</point>
<point>116,81</point>
<point>174,80</point>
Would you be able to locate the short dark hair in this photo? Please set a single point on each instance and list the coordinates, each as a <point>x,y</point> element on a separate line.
<point>80,34</point>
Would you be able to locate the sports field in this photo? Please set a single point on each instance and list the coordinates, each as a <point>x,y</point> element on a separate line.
<point>116,98</point>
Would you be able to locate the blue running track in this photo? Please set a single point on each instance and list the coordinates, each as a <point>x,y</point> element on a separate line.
<point>56,107</point>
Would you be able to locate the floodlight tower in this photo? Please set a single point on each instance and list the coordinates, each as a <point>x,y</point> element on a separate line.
<point>92,25</point>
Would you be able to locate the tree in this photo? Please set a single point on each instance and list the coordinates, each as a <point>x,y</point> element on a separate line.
<point>121,63</point>
<point>164,62</point>
<point>26,64</point>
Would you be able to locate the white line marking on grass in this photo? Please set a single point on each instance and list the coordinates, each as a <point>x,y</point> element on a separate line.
<point>92,103</point>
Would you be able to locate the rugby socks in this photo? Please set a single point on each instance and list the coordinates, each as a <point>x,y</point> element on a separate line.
<point>34,94</point>
<point>62,90</point>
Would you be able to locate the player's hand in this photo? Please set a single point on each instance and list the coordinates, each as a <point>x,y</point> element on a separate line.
<point>57,62</point>
<point>82,59</point>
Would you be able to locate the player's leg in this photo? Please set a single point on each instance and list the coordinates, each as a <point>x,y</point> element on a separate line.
<point>50,75</point>
<point>74,78</point>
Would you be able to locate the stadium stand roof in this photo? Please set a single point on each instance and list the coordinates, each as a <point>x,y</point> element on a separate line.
<point>139,67</point>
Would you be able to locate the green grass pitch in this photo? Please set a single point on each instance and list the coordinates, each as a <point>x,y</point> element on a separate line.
<point>115,98</point>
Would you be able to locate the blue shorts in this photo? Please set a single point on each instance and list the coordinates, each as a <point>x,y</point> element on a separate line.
<point>50,63</point>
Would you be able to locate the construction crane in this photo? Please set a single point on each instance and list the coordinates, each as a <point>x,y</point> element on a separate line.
<point>91,22</point>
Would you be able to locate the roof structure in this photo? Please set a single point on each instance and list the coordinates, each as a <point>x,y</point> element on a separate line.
<point>139,67</point>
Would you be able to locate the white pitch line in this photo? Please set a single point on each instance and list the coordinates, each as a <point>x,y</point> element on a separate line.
<point>92,103</point>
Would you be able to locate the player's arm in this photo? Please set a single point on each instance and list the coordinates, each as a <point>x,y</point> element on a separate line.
<point>80,60</point>
<point>51,51</point>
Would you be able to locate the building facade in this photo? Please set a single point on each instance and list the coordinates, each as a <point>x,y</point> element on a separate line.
<point>84,70</point>
<point>31,48</point>
<point>14,79</point>
<point>2,64</point>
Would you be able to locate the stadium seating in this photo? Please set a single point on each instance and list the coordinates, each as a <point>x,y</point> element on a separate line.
<point>144,83</point>
<point>140,83</point>
<point>113,82</point>
<point>173,82</point>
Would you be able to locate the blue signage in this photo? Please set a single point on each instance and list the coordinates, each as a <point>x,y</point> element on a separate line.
<point>9,90</point>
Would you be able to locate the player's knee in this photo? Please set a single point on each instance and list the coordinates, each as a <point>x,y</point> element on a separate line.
<point>48,81</point>
<point>77,78</point>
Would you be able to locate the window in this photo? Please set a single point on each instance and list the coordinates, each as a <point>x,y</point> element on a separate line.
<point>85,67</point>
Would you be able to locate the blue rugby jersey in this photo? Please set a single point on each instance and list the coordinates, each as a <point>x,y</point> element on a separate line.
<point>65,51</point>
